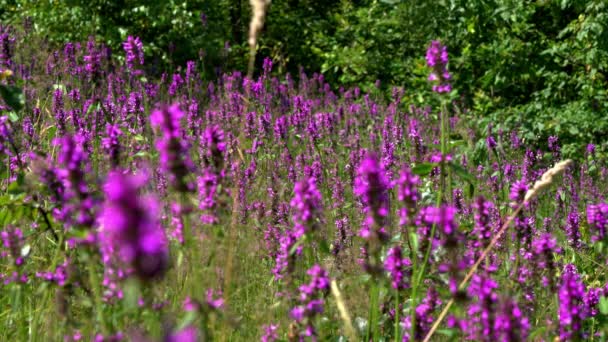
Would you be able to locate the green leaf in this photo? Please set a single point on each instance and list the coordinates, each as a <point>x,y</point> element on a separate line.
<point>188,319</point>
<point>324,247</point>
<point>423,169</point>
<point>462,173</point>
<point>12,96</point>
<point>13,116</point>
<point>14,188</point>
<point>604,305</point>
<point>447,332</point>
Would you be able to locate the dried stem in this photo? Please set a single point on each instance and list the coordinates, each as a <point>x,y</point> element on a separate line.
<point>348,325</point>
<point>544,182</point>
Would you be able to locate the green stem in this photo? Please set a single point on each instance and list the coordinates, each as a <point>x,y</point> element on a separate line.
<point>95,286</point>
<point>397,317</point>
<point>372,328</point>
<point>439,200</point>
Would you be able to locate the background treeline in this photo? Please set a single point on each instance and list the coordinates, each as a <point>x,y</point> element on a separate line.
<point>539,65</point>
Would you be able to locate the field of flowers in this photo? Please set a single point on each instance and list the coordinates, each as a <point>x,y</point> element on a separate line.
<point>146,208</point>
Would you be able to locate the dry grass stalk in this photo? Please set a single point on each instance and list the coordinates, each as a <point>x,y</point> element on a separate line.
<point>258,9</point>
<point>544,182</point>
<point>348,325</point>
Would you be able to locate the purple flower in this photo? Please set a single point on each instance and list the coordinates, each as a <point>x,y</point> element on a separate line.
<point>213,142</point>
<point>443,217</point>
<point>482,228</point>
<point>553,144</point>
<point>424,316</point>
<point>134,52</point>
<point>6,47</point>
<point>311,299</point>
<point>571,312</point>
<point>77,201</point>
<point>130,227</point>
<point>481,313</point>
<point>572,228</point>
<point>208,186</point>
<point>407,192</point>
<point>518,191</point>
<point>187,334</point>
<point>92,59</point>
<point>4,136</point>
<point>437,59</point>
<point>372,186</point>
<point>398,268</point>
<point>111,144</point>
<point>12,240</point>
<point>306,205</point>
<point>172,146</point>
<point>544,248</point>
<point>597,217</point>
<point>592,299</point>
<point>510,324</point>
<point>270,333</point>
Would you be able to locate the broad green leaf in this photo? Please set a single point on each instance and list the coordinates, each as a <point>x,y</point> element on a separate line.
<point>423,169</point>
<point>12,96</point>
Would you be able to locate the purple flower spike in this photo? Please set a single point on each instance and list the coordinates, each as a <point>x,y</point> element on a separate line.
<point>306,204</point>
<point>129,226</point>
<point>437,59</point>
<point>173,148</point>
<point>597,217</point>
<point>398,267</point>
<point>571,311</point>
<point>134,50</point>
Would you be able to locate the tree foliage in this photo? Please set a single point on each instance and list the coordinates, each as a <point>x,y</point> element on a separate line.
<point>540,66</point>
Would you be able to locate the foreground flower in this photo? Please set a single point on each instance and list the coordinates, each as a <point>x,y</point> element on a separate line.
<point>129,226</point>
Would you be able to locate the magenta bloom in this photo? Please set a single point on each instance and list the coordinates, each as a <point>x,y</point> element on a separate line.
<point>398,268</point>
<point>372,185</point>
<point>407,193</point>
<point>213,141</point>
<point>4,135</point>
<point>130,227</point>
<point>173,148</point>
<point>437,59</point>
<point>306,204</point>
<point>571,311</point>
<point>597,217</point>
<point>134,50</point>
<point>311,300</point>
<point>518,191</point>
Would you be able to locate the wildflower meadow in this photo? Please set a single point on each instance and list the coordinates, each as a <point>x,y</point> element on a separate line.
<point>139,204</point>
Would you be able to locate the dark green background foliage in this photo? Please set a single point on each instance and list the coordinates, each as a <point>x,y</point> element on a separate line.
<point>538,65</point>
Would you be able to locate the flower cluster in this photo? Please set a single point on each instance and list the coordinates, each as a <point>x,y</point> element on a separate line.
<point>173,148</point>
<point>372,186</point>
<point>311,299</point>
<point>407,193</point>
<point>306,205</point>
<point>130,228</point>
<point>437,59</point>
<point>571,311</point>
<point>398,268</point>
<point>134,50</point>
<point>597,217</point>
